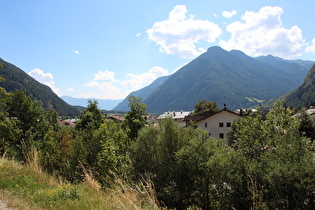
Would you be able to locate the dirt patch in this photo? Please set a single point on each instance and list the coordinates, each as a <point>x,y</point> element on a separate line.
<point>3,206</point>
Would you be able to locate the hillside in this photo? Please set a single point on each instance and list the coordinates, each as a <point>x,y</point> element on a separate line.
<point>142,93</point>
<point>294,70</point>
<point>225,77</point>
<point>26,186</point>
<point>16,79</point>
<point>304,95</point>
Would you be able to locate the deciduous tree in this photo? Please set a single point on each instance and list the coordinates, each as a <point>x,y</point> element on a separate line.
<point>205,107</point>
<point>134,119</point>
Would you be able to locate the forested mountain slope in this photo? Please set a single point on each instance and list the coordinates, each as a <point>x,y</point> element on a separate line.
<point>225,77</point>
<point>304,95</point>
<point>16,79</point>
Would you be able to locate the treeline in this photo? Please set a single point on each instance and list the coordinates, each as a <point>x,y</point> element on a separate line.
<point>267,162</point>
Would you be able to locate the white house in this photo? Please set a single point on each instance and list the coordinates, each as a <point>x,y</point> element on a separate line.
<point>217,125</point>
<point>177,116</point>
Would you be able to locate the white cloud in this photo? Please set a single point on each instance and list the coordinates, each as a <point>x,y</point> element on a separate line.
<point>262,33</point>
<point>105,86</point>
<point>44,78</point>
<point>311,48</point>
<point>141,80</point>
<point>105,76</point>
<point>179,34</point>
<point>70,90</point>
<point>76,52</point>
<point>138,34</point>
<point>228,14</point>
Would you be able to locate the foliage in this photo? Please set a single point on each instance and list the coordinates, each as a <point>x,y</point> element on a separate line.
<point>134,119</point>
<point>114,147</point>
<point>86,127</point>
<point>57,151</point>
<point>280,160</point>
<point>267,163</point>
<point>29,120</point>
<point>204,107</point>
<point>91,117</point>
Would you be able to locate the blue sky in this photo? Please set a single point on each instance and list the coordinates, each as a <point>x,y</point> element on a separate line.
<point>106,49</point>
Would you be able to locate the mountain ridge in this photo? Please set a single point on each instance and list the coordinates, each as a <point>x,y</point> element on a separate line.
<point>304,95</point>
<point>229,77</point>
<point>16,79</point>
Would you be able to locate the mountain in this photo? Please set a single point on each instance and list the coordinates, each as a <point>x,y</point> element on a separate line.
<point>226,77</point>
<point>295,70</point>
<point>105,104</point>
<point>142,93</point>
<point>304,95</point>
<point>16,79</point>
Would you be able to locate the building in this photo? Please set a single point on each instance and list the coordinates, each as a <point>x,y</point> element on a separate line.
<point>177,116</point>
<point>116,118</point>
<point>217,125</point>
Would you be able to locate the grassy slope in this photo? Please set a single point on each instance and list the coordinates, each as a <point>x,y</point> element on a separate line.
<point>27,187</point>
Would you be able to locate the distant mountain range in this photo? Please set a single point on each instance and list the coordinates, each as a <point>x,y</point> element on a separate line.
<point>104,104</point>
<point>16,79</point>
<point>226,77</point>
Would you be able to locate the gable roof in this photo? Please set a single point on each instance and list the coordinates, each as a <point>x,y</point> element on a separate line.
<point>174,115</point>
<point>117,118</point>
<point>198,118</point>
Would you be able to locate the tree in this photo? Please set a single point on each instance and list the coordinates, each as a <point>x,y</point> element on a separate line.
<point>89,122</point>
<point>134,119</point>
<point>204,107</point>
<point>280,160</point>
<point>57,151</point>
<point>91,117</point>
<point>115,146</point>
<point>30,117</point>
<point>10,134</point>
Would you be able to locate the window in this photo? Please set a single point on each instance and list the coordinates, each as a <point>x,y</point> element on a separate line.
<point>221,135</point>
<point>220,124</point>
<point>206,125</point>
<point>228,124</point>
<point>209,134</point>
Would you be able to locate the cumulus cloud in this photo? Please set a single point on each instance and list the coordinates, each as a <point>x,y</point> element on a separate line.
<point>262,33</point>
<point>104,84</point>
<point>228,14</point>
<point>44,78</point>
<point>76,52</point>
<point>179,34</point>
<point>137,81</point>
<point>105,76</point>
<point>311,48</point>
<point>138,34</point>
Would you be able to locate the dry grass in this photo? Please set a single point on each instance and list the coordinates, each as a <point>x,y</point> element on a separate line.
<point>140,196</point>
<point>28,187</point>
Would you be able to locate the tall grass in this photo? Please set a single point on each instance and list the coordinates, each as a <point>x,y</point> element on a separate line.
<point>28,187</point>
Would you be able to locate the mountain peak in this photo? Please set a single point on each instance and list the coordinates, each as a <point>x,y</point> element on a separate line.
<point>215,49</point>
